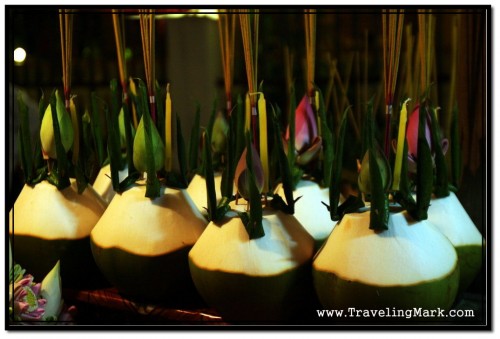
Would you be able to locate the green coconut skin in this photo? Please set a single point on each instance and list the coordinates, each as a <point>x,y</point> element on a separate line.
<point>139,276</point>
<point>38,256</point>
<point>470,260</point>
<point>281,298</point>
<point>335,292</point>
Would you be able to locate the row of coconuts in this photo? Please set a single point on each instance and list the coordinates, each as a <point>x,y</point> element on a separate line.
<point>163,250</point>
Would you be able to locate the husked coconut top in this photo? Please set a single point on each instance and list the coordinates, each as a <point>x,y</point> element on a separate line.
<point>408,252</point>
<point>227,247</point>
<point>197,190</point>
<point>145,226</point>
<point>102,184</point>
<point>48,213</point>
<point>449,216</point>
<point>309,210</point>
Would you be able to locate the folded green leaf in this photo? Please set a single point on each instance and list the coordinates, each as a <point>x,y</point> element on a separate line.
<point>209,178</point>
<point>181,153</point>
<point>194,143</point>
<point>62,160</point>
<point>336,169</point>
<point>254,226</point>
<point>97,130</point>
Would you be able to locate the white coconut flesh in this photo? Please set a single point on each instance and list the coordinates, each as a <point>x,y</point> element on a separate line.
<point>408,253</point>
<point>149,227</point>
<point>197,190</point>
<point>103,184</point>
<point>227,247</point>
<point>45,212</point>
<point>449,216</point>
<point>310,211</point>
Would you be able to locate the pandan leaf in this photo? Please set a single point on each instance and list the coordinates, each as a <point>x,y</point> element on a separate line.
<point>160,109</point>
<point>253,226</point>
<point>129,181</point>
<point>211,120</point>
<point>62,160</point>
<point>97,130</point>
<point>284,169</point>
<point>25,148</point>
<point>350,205</point>
<point>79,168</point>
<point>194,142</point>
<point>129,138</point>
<point>291,126</point>
<point>209,177</point>
<point>231,156</point>
<point>114,150</point>
<point>148,147</point>
<point>404,195</point>
<point>181,153</point>
<point>38,159</point>
<point>328,143</point>
<point>336,169</point>
<point>456,156</point>
<point>424,171</point>
<point>441,185</point>
<point>379,211</point>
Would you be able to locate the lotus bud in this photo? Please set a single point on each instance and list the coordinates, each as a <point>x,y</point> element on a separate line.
<point>140,149</point>
<point>219,134</point>
<point>307,141</point>
<point>121,126</point>
<point>47,129</point>
<point>51,290</point>
<point>241,175</point>
<point>364,180</point>
<point>412,138</point>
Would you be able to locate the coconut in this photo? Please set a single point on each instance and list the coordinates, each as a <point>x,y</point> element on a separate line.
<point>102,184</point>
<point>449,216</point>
<point>266,279</point>
<point>141,244</point>
<point>47,225</point>
<point>408,266</point>
<point>312,195</point>
<point>197,190</point>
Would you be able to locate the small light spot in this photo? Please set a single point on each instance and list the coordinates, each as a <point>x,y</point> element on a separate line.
<point>19,55</point>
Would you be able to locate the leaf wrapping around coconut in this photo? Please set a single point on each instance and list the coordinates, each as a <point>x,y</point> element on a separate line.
<point>62,160</point>
<point>227,185</point>
<point>404,194</point>
<point>209,177</point>
<point>47,133</point>
<point>97,130</point>
<point>350,205</point>
<point>379,209</point>
<point>25,147</point>
<point>424,171</point>
<point>181,154</point>
<point>291,128</point>
<point>81,161</point>
<point>114,150</point>
<point>456,157</point>
<point>194,143</point>
<point>253,225</point>
<point>328,143</point>
<point>129,137</point>
<point>336,169</point>
<point>284,170</point>
<point>441,185</point>
<point>148,148</point>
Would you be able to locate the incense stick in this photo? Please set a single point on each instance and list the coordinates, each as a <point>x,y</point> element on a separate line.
<point>120,50</point>
<point>227,28</point>
<point>147,22</point>
<point>310,29</point>
<point>66,30</point>
<point>392,30</point>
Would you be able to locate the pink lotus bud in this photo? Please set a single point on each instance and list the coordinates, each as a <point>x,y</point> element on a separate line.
<point>412,138</point>
<point>307,141</point>
<point>241,175</point>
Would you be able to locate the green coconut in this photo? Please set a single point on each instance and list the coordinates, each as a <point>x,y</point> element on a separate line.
<point>264,280</point>
<point>141,245</point>
<point>410,265</point>
<point>47,225</point>
<point>449,216</point>
<point>312,195</point>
